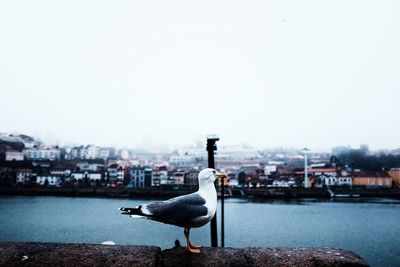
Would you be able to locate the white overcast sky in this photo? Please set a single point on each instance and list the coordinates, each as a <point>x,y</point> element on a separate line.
<point>166,73</point>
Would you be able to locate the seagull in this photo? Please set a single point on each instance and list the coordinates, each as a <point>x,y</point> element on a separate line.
<point>187,211</point>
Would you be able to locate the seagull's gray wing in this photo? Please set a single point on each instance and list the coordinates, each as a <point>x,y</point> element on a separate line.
<point>179,210</point>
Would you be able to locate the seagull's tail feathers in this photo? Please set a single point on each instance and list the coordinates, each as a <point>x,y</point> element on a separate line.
<point>133,212</point>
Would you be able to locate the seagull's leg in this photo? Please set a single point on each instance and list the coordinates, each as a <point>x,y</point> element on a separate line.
<point>189,246</point>
<point>190,243</point>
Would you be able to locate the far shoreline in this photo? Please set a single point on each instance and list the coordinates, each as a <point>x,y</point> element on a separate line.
<point>248,193</point>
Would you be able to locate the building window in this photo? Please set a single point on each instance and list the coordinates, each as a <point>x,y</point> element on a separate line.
<point>371,180</point>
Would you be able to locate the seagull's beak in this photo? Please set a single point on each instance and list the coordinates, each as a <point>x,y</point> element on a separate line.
<point>221,175</point>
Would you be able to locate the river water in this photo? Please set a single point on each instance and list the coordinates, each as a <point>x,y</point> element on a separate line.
<point>369,227</point>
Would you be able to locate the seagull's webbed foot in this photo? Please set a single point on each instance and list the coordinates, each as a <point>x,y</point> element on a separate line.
<point>193,250</point>
<point>194,246</point>
<point>189,247</point>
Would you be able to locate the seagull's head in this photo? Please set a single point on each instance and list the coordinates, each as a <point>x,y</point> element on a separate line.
<point>209,176</point>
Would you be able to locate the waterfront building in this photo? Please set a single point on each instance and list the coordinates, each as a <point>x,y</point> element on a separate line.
<point>318,177</point>
<point>167,178</point>
<point>23,176</point>
<point>48,180</point>
<point>245,175</point>
<point>345,181</point>
<point>328,180</point>
<point>62,172</point>
<point>115,174</point>
<point>322,171</point>
<point>179,177</point>
<point>86,176</point>
<point>140,176</point>
<point>371,180</point>
<point>395,174</point>
<point>284,182</point>
<point>160,177</point>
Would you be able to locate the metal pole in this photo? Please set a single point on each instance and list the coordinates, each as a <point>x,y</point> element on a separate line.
<point>222,213</point>
<point>211,147</point>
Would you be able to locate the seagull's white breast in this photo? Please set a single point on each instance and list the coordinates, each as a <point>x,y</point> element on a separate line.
<point>210,195</point>
<point>211,201</point>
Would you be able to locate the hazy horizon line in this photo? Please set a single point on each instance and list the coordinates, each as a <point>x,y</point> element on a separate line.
<point>52,140</point>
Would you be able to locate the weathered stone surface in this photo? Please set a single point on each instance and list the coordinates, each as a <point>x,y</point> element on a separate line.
<point>305,257</point>
<point>52,254</point>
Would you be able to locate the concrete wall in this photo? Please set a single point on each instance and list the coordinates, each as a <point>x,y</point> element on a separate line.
<point>54,254</point>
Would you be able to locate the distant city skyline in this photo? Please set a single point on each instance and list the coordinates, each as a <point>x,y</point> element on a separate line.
<point>54,141</point>
<point>163,75</point>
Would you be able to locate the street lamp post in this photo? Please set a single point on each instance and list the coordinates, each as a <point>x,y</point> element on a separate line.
<point>211,147</point>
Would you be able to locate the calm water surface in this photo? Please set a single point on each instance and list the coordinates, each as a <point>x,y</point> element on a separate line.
<point>371,228</point>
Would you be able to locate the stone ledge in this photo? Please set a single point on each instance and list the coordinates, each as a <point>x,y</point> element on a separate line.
<point>57,254</point>
<point>305,257</point>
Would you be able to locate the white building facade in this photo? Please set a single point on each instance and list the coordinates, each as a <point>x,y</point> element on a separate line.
<point>14,156</point>
<point>49,180</point>
<point>42,154</point>
<point>345,181</point>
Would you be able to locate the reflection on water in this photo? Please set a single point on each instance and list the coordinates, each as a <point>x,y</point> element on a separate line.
<point>305,201</point>
<point>369,227</point>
